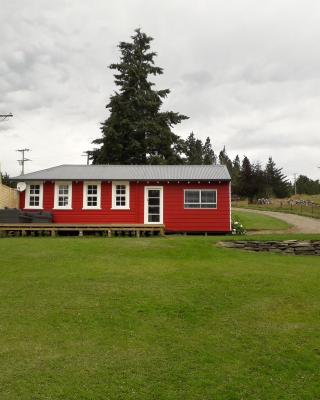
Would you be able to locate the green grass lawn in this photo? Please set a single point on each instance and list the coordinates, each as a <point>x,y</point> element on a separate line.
<point>256,222</point>
<point>156,318</point>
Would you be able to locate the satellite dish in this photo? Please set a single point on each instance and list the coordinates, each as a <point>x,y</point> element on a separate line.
<point>21,186</point>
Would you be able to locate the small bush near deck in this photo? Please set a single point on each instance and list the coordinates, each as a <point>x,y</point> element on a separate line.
<point>238,228</point>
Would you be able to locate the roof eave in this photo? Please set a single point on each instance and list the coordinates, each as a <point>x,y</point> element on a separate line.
<point>22,179</point>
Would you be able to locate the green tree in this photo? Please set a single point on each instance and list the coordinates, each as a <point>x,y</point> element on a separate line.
<point>247,187</point>
<point>209,157</point>
<point>236,175</point>
<point>136,131</point>
<point>5,179</point>
<point>276,182</point>
<point>306,185</point>
<point>225,160</point>
<point>193,150</point>
<point>259,181</point>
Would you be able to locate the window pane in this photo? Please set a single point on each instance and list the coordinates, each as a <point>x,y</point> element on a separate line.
<point>154,201</point>
<point>34,201</point>
<point>121,189</point>
<point>64,189</point>
<point>92,189</point>
<point>208,196</point>
<point>63,201</point>
<point>154,210</point>
<point>192,196</point>
<point>154,193</point>
<point>120,201</point>
<point>154,218</point>
<point>192,205</point>
<point>92,201</point>
<point>34,189</point>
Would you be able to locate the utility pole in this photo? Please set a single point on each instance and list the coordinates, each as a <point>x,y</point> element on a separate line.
<point>23,159</point>
<point>87,154</point>
<point>295,182</point>
<point>2,118</point>
<point>5,116</point>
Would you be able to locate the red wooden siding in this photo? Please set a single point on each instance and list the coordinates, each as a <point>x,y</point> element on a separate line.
<point>175,217</point>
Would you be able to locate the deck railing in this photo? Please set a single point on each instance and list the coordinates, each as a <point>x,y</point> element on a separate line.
<point>109,230</point>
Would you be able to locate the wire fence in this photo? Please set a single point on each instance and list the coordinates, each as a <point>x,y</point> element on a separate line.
<point>305,208</point>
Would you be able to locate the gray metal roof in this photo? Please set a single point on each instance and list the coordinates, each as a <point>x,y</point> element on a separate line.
<point>129,172</point>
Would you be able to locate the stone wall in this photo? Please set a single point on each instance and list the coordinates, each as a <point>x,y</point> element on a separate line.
<point>295,247</point>
<point>8,197</point>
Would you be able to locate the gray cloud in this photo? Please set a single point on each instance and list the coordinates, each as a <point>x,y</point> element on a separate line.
<point>247,73</point>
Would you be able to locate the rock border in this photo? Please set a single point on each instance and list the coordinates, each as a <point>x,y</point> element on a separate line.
<point>293,247</point>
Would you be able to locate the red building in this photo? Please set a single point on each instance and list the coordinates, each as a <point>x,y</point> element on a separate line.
<point>185,198</point>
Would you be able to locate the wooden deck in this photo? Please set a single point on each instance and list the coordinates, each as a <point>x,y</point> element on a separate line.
<point>109,230</point>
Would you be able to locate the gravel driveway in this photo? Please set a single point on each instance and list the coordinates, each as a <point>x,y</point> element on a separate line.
<point>299,223</point>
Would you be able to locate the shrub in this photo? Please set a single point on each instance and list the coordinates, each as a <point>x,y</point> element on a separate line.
<point>238,228</point>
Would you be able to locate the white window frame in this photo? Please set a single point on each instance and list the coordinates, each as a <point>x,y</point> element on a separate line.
<point>114,195</point>
<point>27,198</point>
<point>199,190</point>
<point>56,195</point>
<point>85,195</point>
<point>146,214</point>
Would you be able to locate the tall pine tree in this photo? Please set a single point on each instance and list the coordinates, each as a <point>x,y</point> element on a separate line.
<point>259,181</point>
<point>193,150</point>
<point>136,131</point>
<point>208,154</point>
<point>247,186</point>
<point>236,175</point>
<point>277,183</point>
<point>225,160</point>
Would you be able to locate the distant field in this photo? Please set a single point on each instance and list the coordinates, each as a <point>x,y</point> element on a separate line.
<point>257,222</point>
<point>311,197</point>
<point>282,205</point>
<point>168,318</point>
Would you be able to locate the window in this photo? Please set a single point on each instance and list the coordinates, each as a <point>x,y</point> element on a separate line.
<point>205,198</point>
<point>63,195</point>
<point>120,195</point>
<point>34,195</point>
<point>91,195</point>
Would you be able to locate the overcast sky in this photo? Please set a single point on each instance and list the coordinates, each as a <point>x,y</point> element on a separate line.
<point>246,72</point>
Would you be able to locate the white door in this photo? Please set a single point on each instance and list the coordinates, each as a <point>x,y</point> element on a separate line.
<point>153,205</point>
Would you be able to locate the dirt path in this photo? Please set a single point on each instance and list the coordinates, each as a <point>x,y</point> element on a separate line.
<point>299,223</point>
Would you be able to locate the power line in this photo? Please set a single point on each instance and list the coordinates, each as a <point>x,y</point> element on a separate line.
<point>5,116</point>
<point>23,159</point>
